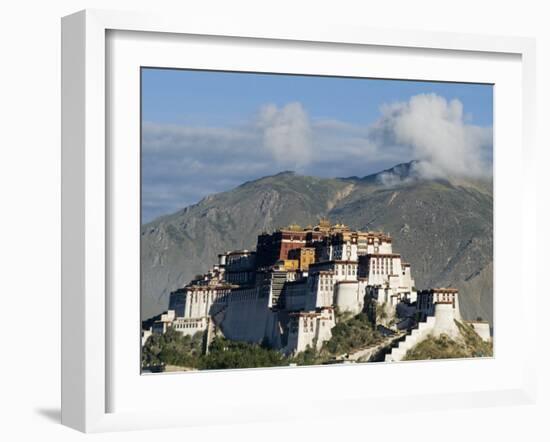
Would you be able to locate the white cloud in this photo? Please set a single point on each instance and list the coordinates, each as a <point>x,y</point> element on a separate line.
<point>438,135</point>
<point>287,134</point>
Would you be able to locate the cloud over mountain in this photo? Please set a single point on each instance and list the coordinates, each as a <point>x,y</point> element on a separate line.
<point>438,136</point>
<point>287,134</point>
<point>182,164</point>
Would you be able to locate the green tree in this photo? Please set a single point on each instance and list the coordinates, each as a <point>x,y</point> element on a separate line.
<point>172,348</point>
<point>224,353</point>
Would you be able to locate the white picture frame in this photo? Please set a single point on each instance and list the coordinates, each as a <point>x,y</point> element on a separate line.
<point>87,210</point>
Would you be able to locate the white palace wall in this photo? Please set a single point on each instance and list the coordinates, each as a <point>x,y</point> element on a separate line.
<point>190,326</point>
<point>246,316</point>
<point>349,296</point>
<point>295,295</point>
<point>309,330</point>
<point>322,281</point>
<point>198,302</point>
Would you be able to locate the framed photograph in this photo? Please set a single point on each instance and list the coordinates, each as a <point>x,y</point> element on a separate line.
<point>250,212</point>
<point>274,208</point>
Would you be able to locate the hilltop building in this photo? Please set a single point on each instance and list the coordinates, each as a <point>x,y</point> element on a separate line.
<point>287,292</point>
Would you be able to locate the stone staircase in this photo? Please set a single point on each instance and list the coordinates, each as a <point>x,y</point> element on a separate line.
<point>417,335</point>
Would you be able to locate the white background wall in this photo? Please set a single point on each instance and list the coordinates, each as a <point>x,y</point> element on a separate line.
<point>30,217</point>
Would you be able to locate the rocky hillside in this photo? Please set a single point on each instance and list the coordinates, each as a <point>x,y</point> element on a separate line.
<point>443,228</point>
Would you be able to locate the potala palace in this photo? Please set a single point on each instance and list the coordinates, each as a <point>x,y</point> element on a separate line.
<point>290,291</point>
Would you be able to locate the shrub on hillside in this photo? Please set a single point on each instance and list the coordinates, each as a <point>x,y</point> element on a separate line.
<point>468,345</point>
<point>231,354</point>
<point>353,334</point>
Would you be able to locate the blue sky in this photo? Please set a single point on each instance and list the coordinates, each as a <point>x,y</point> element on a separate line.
<point>190,97</point>
<point>206,132</point>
